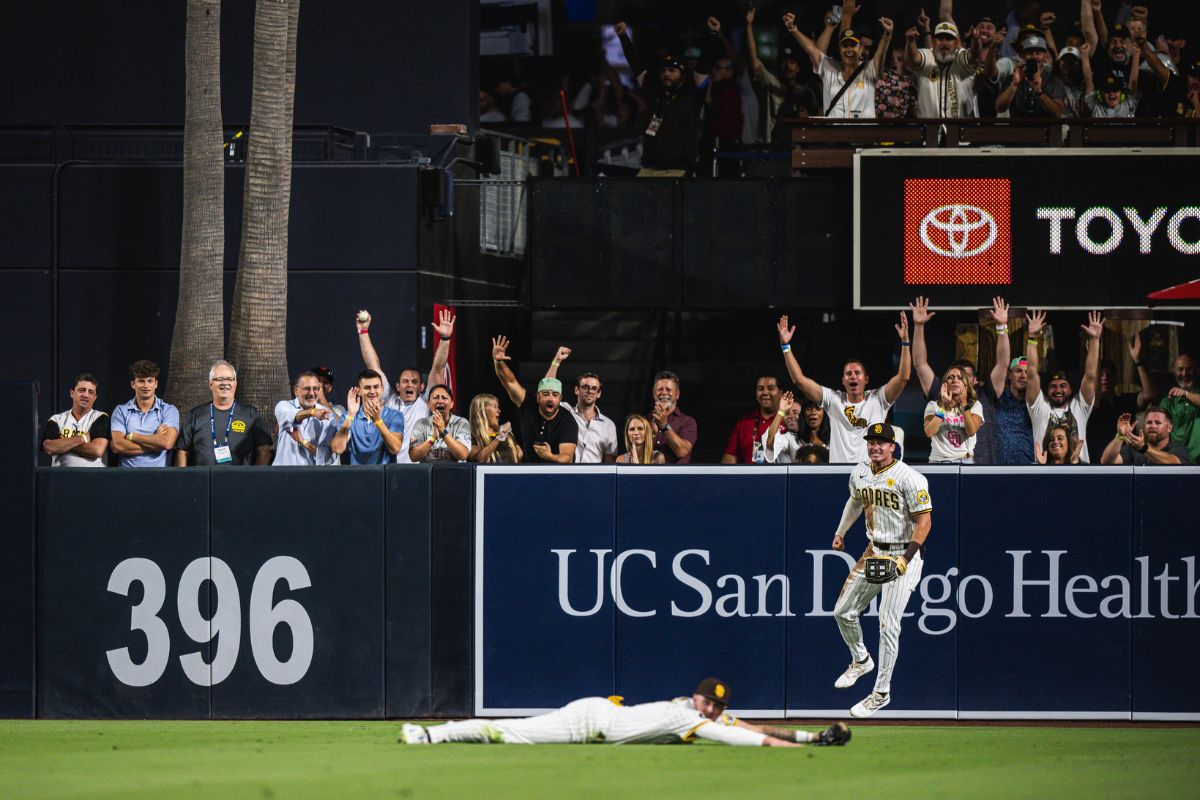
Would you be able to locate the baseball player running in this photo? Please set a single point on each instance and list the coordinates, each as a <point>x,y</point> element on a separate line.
<point>604,720</point>
<point>896,501</point>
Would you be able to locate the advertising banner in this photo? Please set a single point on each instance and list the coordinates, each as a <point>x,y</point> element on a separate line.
<point>1056,228</point>
<point>1044,594</point>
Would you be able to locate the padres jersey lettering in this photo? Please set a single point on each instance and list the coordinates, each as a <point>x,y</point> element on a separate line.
<point>890,498</point>
<point>847,421</point>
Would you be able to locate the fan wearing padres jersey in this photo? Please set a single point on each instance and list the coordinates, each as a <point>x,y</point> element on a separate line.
<point>851,409</point>
<point>895,499</point>
<point>605,720</point>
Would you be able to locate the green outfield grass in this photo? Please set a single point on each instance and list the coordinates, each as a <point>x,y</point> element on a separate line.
<point>361,759</point>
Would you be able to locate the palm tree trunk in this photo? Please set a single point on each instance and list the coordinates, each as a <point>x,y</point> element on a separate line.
<point>199,335</point>
<point>258,335</point>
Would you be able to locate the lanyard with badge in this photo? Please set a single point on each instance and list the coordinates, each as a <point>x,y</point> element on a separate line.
<point>757,454</point>
<point>222,453</point>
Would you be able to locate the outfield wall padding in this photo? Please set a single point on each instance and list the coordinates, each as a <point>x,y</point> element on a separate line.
<point>443,591</point>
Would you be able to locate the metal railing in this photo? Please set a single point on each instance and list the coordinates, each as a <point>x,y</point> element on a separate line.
<point>503,198</point>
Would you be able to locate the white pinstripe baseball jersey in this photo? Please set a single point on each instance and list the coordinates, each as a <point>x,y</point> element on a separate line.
<point>890,498</point>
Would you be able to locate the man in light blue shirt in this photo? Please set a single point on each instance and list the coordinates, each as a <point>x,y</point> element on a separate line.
<point>371,433</point>
<point>144,429</point>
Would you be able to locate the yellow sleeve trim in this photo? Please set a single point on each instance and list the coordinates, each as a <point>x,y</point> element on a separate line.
<point>616,699</point>
<point>922,511</point>
<point>688,736</point>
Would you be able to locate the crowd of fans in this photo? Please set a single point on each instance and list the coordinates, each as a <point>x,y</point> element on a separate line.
<point>1001,416</point>
<point>720,90</point>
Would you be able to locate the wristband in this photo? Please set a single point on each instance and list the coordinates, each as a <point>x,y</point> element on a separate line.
<point>361,331</point>
<point>378,422</point>
<point>431,439</point>
<point>781,413</point>
<point>555,363</point>
<point>666,427</point>
<point>940,412</point>
<point>129,436</point>
<point>906,344</point>
<point>1001,329</point>
<point>785,348</point>
<point>1139,364</point>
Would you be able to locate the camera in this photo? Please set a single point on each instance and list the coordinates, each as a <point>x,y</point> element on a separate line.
<point>1032,67</point>
<point>835,14</point>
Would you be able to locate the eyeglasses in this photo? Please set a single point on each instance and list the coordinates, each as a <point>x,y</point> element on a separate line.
<point>223,379</point>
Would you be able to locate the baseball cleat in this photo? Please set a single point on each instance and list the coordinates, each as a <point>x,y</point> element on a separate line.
<point>413,734</point>
<point>853,672</point>
<point>870,704</point>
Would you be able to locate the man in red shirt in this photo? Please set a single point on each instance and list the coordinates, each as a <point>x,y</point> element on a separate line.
<point>746,440</point>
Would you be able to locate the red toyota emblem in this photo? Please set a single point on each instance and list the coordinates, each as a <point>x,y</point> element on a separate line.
<point>957,231</point>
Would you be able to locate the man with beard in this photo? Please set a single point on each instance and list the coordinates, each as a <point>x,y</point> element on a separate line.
<point>441,436</point>
<point>306,427</point>
<point>746,440</point>
<point>371,432</point>
<point>1034,91</point>
<point>852,408</point>
<point>944,75</point>
<point>409,396</point>
<point>1183,404</point>
<point>671,120</point>
<point>78,437</point>
<point>849,84</point>
<point>548,434</point>
<point>1059,407</point>
<point>1152,446</point>
<point>788,94</point>
<point>675,432</point>
<point>1012,432</point>
<point>597,433</point>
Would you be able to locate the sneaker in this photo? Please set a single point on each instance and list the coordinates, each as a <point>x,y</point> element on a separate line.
<point>413,734</point>
<point>853,672</point>
<point>870,704</point>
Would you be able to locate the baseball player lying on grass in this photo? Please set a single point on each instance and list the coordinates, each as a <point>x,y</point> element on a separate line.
<point>604,720</point>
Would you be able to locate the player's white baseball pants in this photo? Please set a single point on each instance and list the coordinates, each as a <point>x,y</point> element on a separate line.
<point>580,721</point>
<point>857,594</point>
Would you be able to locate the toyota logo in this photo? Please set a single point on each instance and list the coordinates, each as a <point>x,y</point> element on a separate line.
<point>958,231</point>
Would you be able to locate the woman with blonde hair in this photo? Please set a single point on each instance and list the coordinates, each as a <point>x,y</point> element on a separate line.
<point>639,444</point>
<point>952,420</point>
<point>491,442</point>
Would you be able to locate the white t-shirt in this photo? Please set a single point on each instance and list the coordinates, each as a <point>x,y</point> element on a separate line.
<point>951,442</point>
<point>416,410</point>
<point>1074,415</point>
<point>665,721</point>
<point>848,421</point>
<point>945,91</point>
<point>858,102</point>
<point>890,498</point>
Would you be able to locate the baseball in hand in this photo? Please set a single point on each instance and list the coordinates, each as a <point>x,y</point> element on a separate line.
<point>363,317</point>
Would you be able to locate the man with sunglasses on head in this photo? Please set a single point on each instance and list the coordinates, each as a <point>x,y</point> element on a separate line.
<point>597,433</point>
<point>306,427</point>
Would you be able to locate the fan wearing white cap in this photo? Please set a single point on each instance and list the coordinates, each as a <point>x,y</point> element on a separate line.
<point>944,74</point>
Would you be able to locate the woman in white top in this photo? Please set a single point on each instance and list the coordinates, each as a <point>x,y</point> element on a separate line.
<point>952,420</point>
<point>639,445</point>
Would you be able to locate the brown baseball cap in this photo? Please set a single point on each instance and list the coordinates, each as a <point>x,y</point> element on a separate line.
<point>880,432</point>
<point>714,689</point>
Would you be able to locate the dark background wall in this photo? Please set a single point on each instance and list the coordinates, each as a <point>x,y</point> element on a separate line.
<point>365,65</point>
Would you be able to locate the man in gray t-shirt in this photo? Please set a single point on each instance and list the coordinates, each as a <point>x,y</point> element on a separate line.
<point>222,431</point>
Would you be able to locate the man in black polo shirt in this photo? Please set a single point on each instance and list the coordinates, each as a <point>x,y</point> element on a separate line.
<point>548,434</point>
<point>674,100</point>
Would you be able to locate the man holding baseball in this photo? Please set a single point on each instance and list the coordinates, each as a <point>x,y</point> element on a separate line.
<point>607,720</point>
<point>895,498</point>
